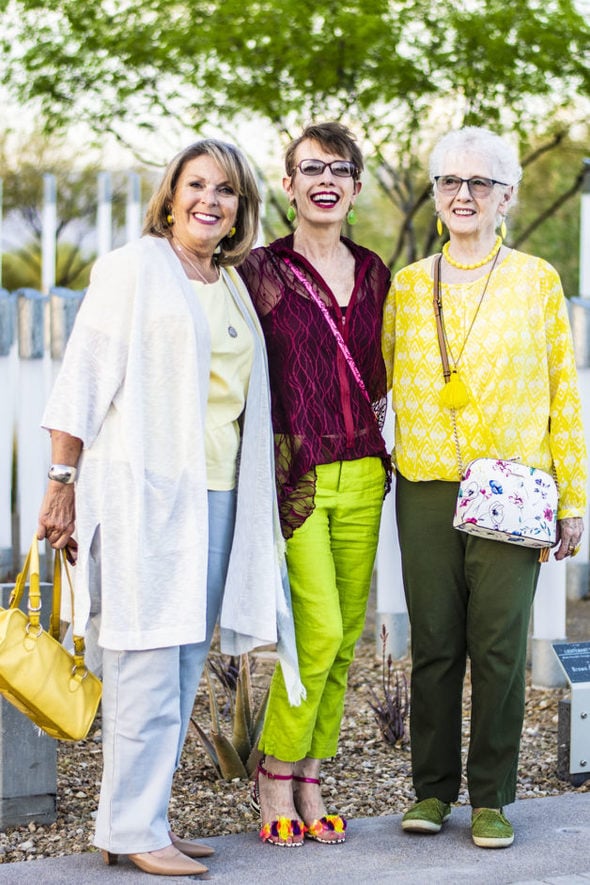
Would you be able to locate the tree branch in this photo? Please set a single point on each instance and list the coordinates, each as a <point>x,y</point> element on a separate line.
<point>552,208</point>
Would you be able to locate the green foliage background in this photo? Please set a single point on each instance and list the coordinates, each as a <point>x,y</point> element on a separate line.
<point>399,72</point>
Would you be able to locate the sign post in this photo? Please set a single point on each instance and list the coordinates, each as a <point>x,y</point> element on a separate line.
<point>574,658</point>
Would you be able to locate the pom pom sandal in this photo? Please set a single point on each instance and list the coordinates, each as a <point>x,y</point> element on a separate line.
<point>329,823</point>
<point>280,832</point>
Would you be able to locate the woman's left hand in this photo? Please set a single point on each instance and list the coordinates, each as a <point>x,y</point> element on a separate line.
<point>569,534</point>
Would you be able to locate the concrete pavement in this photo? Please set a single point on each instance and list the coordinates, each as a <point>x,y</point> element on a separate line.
<point>552,845</point>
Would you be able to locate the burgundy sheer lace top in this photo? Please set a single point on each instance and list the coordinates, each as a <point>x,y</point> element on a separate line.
<point>320,414</point>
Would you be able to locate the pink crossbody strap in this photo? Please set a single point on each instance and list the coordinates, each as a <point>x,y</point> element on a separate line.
<point>333,327</point>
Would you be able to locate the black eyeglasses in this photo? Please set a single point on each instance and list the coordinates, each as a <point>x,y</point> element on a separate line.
<point>478,187</point>
<point>339,168</point>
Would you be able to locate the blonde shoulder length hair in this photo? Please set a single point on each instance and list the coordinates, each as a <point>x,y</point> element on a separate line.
<point>232,250</point>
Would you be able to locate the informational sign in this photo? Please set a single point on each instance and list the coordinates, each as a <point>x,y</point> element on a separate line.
<point>574,657</point>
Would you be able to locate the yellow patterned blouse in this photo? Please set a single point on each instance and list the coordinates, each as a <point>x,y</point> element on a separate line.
<point>517,363</point>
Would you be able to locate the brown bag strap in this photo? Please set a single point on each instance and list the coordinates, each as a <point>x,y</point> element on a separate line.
<point>437,304</point>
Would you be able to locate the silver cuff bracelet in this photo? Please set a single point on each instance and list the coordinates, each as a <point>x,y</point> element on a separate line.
<point>62,473</point>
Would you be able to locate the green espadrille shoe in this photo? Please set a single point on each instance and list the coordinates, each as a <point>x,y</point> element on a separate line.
<point>490,829</point>
<point>426,816</point>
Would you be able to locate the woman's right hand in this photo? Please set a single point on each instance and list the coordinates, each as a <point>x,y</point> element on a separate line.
<point>57,518</point>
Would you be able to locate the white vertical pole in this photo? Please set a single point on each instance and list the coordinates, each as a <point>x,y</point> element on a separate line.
<point>549,625</point>
<point>570,578</point>
<point>7,427</point>
<point>1,219</point>
<point>49,232</point>
<point>104,214</point>
<point>31,396</point>
<point>578,572</point>
<point>133,213</point>
<point>585,234</point>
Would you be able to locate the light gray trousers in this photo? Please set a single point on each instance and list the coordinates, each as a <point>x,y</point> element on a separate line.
<point>147,702</point>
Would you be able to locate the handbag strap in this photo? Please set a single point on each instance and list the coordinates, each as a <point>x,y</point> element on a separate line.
<point>54,617</point>
<point>334,329</point>
<point>34,599</point>
<point>444,358</point>
<point>437,304</point>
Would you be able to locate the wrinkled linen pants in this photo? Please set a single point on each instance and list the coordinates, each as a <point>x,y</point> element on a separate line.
<point>467,597</point>
<point>147,702</point>
<point>330,562</point>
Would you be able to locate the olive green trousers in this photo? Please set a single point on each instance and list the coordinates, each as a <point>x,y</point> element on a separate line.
<point>467,597</point>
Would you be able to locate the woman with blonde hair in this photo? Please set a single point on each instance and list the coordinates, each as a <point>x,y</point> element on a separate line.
<point>163,465</point>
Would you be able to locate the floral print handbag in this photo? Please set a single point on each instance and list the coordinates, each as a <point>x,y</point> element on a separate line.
<point>507,501</point>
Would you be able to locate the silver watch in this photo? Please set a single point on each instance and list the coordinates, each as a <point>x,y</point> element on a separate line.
<point>62,473</point>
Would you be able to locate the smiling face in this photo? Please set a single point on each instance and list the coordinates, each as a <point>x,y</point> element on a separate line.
<point>324,198</point>
<point>204,206</point>
<point>463,214</point>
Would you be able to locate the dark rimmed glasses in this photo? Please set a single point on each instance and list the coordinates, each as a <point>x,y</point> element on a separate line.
<point>339,168</point>
<point>478,187</point>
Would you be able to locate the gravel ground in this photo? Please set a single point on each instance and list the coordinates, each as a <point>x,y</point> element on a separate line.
<point>368,777</point>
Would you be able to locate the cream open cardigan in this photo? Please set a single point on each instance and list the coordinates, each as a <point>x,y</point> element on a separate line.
<point>133,387</point>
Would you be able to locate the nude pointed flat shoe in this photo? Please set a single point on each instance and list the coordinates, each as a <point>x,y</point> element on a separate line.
<point>190,848</point>
<point>177,864</point>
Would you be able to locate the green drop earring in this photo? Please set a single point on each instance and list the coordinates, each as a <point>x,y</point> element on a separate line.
<point>351,218</point>
<point>291,213</point>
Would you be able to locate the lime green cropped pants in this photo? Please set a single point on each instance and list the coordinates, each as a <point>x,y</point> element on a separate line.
<point>330,561</point>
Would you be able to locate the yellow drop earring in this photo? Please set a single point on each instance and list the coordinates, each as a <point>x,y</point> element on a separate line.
<point>170,219</point>
<point>503,230</point>
<point>439,226</point>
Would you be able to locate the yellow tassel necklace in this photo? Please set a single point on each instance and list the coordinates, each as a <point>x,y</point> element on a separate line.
<point>454,394</point>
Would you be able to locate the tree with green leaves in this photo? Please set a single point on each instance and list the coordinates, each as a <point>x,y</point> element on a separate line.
<point>400,72</point>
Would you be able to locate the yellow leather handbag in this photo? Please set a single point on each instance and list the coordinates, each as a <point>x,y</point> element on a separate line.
<point>47,683</point>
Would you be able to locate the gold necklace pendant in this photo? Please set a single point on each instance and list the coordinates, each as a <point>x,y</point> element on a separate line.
<point>492,254</point>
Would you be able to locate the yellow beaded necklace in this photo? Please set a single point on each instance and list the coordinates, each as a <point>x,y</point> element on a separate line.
<point>492,254</point>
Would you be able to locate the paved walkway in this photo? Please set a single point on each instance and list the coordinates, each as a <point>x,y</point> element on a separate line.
<point>552,845</point>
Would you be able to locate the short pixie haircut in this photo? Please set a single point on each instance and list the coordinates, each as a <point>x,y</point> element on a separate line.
<point>233,250</point>
<point>502,156</point>
<point>334,138</point>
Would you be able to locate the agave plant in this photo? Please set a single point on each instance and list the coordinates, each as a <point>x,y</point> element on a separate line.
<point>391,711</point>
<point>234,756</point>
